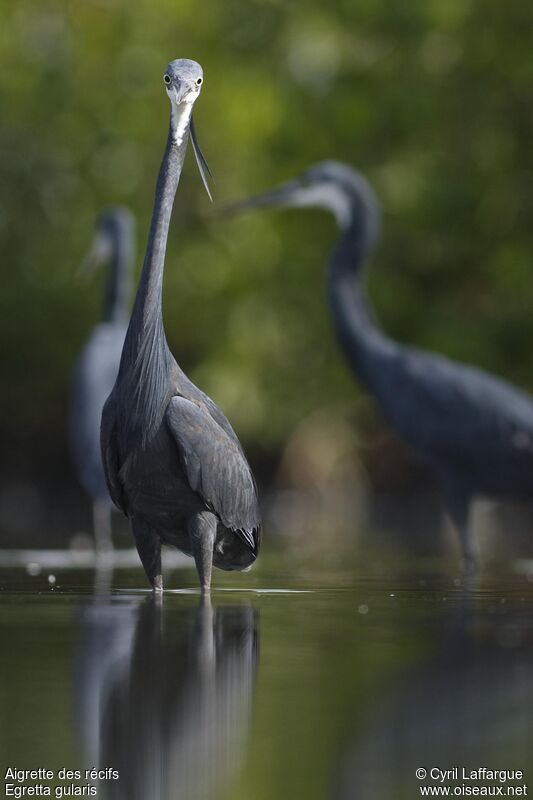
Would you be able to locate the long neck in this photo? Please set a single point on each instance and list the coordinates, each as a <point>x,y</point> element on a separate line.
<point>143,381</point>
<point>362,340</point>
<point>118,288</point>
<point>147,309</point>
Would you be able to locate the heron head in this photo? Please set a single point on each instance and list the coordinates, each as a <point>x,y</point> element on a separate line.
<point>183,81</point>
<point>330,185</point>
<point>113,226</point>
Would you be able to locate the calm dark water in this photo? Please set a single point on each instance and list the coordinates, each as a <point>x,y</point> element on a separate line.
<point>321,685</point>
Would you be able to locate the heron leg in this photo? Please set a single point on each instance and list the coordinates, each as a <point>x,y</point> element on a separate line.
<point>202,528</point>
<point>103,541</point>
<point>148,545</point>
<point>458,505</point>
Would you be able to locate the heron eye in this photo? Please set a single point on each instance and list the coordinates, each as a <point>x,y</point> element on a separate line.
<point>199,81</point>
<point>167,79</point>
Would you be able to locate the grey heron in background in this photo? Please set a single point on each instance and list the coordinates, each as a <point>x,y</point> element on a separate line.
<point>172,460</point>
<point>97,366</point>
<point>475,430</point>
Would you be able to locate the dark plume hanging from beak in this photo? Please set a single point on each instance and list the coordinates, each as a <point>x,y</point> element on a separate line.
<point>203,166</point>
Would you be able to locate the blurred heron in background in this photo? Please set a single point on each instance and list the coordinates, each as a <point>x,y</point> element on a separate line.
<point>475,430</point>
<point>97,366</point>
<point>172,460</point>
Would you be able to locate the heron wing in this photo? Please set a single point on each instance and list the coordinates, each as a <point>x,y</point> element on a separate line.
<point>110,459</point>
<point>215,467</point>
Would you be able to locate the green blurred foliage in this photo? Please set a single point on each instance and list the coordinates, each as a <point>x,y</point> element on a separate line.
<point>431,99</point>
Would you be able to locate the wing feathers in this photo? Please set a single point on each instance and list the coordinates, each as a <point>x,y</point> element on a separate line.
<point>216,467</point>
<point>108,441</point>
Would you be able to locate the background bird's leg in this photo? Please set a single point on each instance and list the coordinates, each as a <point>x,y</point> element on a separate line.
<point>202,531</point>
<point>148,545</point>
<point>102,526</point>
<point>103,575</point>
<point>458,505</point>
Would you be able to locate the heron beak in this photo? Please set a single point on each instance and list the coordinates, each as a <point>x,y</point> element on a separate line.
<point>203,166</point>
<point>99,253</point>
<point>180,92</point>
<point>288,194</point>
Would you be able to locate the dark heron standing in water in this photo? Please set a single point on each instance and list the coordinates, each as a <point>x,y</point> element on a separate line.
<point>97,367</point>
<point>475,430</point>
<point>172,460</point>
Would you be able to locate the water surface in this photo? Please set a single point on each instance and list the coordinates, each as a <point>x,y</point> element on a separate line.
<point>320,686</point>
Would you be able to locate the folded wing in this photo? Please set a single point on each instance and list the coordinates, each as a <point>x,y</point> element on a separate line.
<point>216,468</point>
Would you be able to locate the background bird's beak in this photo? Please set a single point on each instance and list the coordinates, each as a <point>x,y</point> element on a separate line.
<point>288,194</point>
<point>99,253</point>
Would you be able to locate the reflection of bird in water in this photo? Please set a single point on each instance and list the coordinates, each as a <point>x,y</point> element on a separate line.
<point>107,640</point>
<point>98,364</point>
<point>475,430</point>
<point>172,460</point>
<point>470,705</point>
<point>164,695</point>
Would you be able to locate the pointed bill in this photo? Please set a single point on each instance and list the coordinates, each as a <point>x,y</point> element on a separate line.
<point>288,194</point>
<point>203,166</point>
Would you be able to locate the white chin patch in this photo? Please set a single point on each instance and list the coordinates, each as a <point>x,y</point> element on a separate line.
<point>190,97</point>
<point>181,118</point>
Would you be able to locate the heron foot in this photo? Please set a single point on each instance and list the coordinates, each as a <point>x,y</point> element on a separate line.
<point>157,584</point>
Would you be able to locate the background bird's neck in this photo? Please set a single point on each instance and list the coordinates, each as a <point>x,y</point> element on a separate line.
<point>118,289</point>
<point>362,340</point>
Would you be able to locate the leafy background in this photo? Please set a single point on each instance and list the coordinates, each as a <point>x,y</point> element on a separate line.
<point>431,100</point>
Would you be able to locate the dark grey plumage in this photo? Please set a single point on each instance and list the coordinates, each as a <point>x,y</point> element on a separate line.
<point>97,366</point>
<point>172,460</point>
<point>475,430</point>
